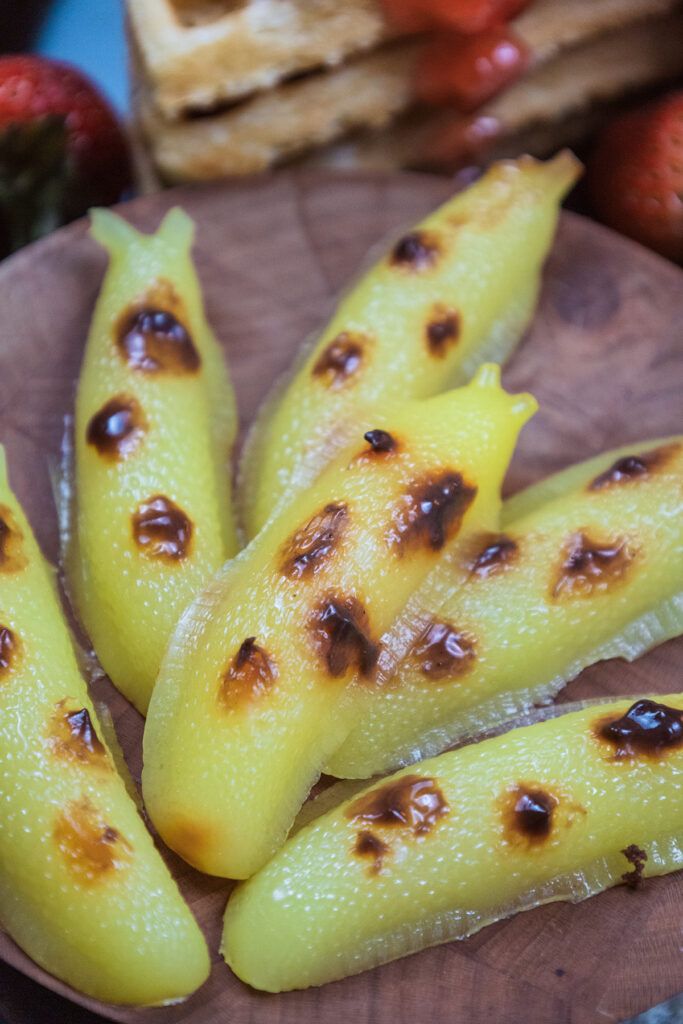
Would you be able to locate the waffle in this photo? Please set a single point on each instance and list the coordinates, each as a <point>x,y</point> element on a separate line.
<point>196,53</point>
<point>283,122</point>
<point>548,26</point>
<point>373,90</point>
<point>556,104</point>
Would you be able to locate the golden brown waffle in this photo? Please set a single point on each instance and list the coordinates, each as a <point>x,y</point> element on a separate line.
<point>283,122</point>
<point>552,106</point>
<point>196,53</point>
<point>548,26</point>
<point>373,90</point>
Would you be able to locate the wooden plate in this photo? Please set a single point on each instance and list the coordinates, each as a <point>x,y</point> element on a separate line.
<point>604,357</point>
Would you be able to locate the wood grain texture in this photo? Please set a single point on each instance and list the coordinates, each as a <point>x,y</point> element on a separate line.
<point>604,357</point>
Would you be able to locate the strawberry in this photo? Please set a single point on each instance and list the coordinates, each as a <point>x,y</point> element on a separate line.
<point>635,175</point>
<point>61,148</point>
<point>457,15</point>
<point>466,71</point>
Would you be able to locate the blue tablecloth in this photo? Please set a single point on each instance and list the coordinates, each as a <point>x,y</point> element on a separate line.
<point>90,33</point>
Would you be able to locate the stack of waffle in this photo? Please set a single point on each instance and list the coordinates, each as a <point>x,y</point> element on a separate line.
<point>226,87</point>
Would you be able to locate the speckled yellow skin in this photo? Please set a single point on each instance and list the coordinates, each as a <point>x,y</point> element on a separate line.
<point>527,639</point>
<point>106,916</point>
<point>224,781</point>
<point>320,911</point>
<point>130,602</point>
<point>489,243</point>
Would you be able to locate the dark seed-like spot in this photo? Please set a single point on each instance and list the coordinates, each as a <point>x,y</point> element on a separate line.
<point>12,557</point>
<point>416,251</point>
<point>533,813</point>
<point>431,512</point>
<point>90,847</point>
<point>154,340</point>
<point>341,633</point>
<point>413,802</point>
<point>340,360</point>
<point>590,566</point>
<point>444,653</point>
<point>638,858</point>
<point>498,553</point>
<point>311,546</point>
<point>161,529</point>
<point>647,728</point>
<point>371,846</point>
<point>116,429</point>
<point>250,675</point>
<point>83,732</point>
<point>73,736</point>
<point>528,814</point>
<point>380,441</point>
<point>443,331</point>
<point>627,468</point>
<point>632,467</point>
<point>8,651</point>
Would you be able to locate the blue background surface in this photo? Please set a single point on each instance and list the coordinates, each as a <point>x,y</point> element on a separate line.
<point>90,33</point>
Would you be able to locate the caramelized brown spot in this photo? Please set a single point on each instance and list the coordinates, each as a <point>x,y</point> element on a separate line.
<point>371,846</point>
<point>73,736</point>
<point>12,557</point>
<point>414,802</point>
<point>116,429</point>
<point>416,251</point>
<point>589,566</point>
<point>311,546</point>
<point>380,441</point>
<point>341,634</point>
<point>498,553</point>
<point>638,858</point>
<point>443,331</point>
<point>153,340</point>
<point>431,512</point>
<point>444,653</point>
<point>90,847</point>
<point>161,529</point>
<point>340,360</point>
<point>632,467</point>
<point>528,814</point>
<point>9,649</point>
<point>250,675</point>
<point>189,839</point>
<point>646,729</point>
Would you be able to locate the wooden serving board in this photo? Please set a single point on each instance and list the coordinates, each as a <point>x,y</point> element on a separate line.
<point>604,357</point>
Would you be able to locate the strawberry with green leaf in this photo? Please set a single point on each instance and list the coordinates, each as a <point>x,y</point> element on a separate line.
<point>62,149</point>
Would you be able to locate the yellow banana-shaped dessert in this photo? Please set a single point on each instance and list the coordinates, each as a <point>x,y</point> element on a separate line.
<point>255,692</point>
<point>82,889</point>
<point>454,292</point>
<point>589,567</point>
<point>559,810</point>
<point>155,424</point>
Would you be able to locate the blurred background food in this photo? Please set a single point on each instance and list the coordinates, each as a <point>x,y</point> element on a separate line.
<point>236,88</point>
<point>222,88</point>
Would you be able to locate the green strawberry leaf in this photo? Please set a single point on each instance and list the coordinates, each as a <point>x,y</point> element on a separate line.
<point>35,171</point>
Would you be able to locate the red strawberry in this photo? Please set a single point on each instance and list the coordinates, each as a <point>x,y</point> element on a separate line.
<point>635,175</point>
<point>61,147</point>
<point>456,15</point>
<point>467,71</point>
